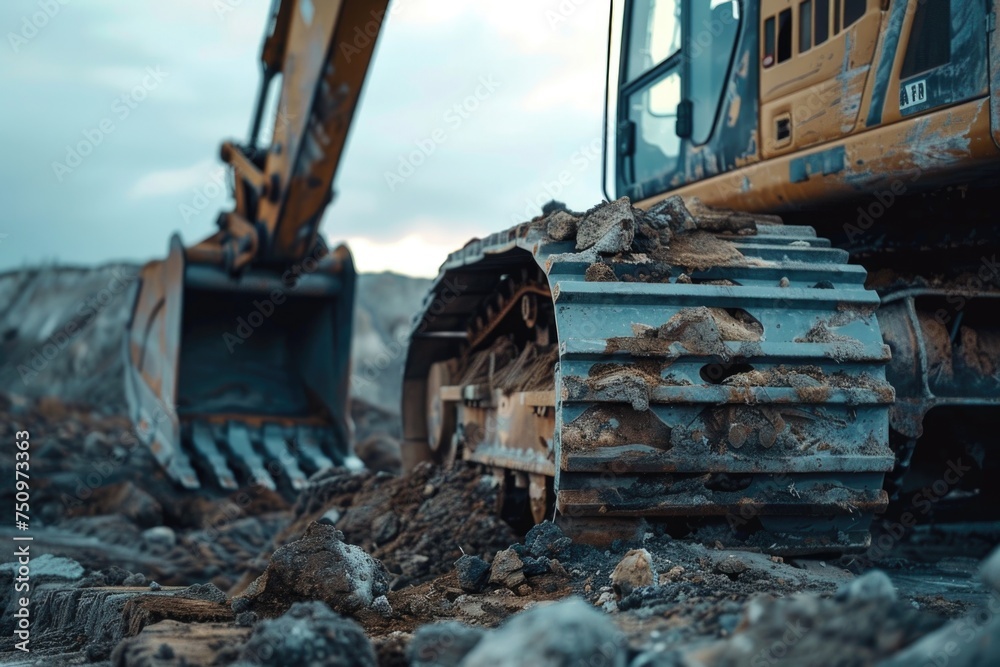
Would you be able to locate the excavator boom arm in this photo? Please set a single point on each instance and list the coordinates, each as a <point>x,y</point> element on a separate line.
<point>322,51</point>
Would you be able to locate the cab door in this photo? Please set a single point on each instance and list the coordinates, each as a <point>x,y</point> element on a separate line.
<point>666,91</point>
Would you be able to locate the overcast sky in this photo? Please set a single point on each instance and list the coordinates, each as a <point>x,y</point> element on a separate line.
<point>154,86</point>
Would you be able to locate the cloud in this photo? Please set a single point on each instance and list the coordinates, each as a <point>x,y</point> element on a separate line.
<point>413,255</point>
<point>496,168</point>
<point>174,181</point>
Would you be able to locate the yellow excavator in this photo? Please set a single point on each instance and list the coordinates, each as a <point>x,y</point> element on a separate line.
<point>238,348</point>
<point>680,353</point>
<point>663,358</point>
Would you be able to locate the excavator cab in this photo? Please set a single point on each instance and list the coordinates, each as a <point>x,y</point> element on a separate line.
<point>238,348</point>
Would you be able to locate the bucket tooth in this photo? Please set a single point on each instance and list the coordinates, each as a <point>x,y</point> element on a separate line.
<point>213,459</point>
<point>180,470</point>
<point>277,449</point>
<point>309,450</point>
<point>242,450</point>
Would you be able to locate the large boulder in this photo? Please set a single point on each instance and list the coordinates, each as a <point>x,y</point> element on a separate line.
<point>309,634</point>
<point>320,566</point>
<point>565,633</point>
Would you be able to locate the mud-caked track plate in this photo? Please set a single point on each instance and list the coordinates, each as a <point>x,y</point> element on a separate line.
<point>751,389</point>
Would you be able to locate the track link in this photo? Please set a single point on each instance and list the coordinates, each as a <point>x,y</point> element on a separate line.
<point>750,390</point>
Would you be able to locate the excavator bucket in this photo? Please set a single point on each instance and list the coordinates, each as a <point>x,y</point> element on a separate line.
<point>235,381</point>
<point>238,347</point>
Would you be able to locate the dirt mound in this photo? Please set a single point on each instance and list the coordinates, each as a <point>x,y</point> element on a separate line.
<point>417,525</point>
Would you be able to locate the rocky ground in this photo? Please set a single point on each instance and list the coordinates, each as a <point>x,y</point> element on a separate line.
<point>372,567</point>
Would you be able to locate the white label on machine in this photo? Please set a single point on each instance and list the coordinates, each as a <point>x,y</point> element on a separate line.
<point>912,94</point>
<point>308,11</point>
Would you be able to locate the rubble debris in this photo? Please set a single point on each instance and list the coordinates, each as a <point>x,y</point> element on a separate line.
<point>806,629</point>
<point>607,228</point>
<point>728,221</point>
<point>507,570</point>
<point>473,573</point>
<point>599,272</point>
<point>443,644</point>
<point>569,632</point>
<point>309,634</point>
<point>672,214</point>
<point>732,566</point>
<point>546,539</point>
<point>319,566</point>
<point>459,517</point>
<point>561,226</point>
<point>634,571</point>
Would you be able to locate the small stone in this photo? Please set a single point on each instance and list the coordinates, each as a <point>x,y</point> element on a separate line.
<point>428,490</point>
<point>385,527</point>
<point>473,573</point>
<point>382,607</point>
<point>309,633</point>
<point>546,539</point>
<point>874,586</point>
<point>153,586</point>
<point>246,619</point>
<point>536,566</point>
<point>607,228</point>
<point>634,571</point>
<point>561,226</point>
<point>523,590</point>
<point>209,592</point>
<point>673,214</point>
<point>162,537</point>
<point>731,566</point>
<point>330,517</point>
<point>443,644</point>
<point>675,573</point>
<point>507,570</point>
<point>784,282</point>
<point>599,272</point>
<point>239,605</point>
<point>135,580</point>
<point>165,652</point>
